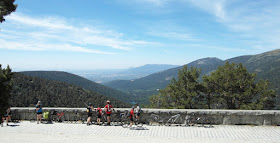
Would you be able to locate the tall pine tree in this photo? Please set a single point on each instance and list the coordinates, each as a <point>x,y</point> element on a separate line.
<point>5,89</point>
<point>235,88</point>
<point>182,93</point>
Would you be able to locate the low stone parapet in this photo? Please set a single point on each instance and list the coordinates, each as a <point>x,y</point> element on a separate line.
<point>219,117</point>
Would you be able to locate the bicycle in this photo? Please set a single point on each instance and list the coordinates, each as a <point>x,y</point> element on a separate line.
<point>207,120</point>
<point>191,120</point>
<point>57,116</point>
<point>115,120</point>
<point>124,119</point>
<point>172,120</point>
<point>154,119</point>
<point>15,118</point>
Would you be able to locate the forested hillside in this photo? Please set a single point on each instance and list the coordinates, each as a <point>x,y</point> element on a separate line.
<point>265,65</point>
<point>81,82</point>
<point>144,87</point>
<point>28,90</point>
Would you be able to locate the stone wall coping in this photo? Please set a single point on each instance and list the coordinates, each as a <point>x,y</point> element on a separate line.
<point>167,110</point>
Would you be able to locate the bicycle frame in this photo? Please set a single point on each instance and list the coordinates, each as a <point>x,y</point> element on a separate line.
<point>172,119</point>
<point>155,119</point>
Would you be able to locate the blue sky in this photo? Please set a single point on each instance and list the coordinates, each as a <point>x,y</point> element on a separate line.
<point>103,34</point>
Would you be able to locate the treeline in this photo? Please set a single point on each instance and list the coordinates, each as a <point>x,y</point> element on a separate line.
<point>231,86</point>
<point>28,90</point>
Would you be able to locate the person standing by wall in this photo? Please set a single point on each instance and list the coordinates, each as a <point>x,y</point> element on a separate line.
<point>131,116</point>
<point>6,117</point>
<point>39,111</point>
<point>108,109</point>
<point>89,111</point>
<point>99,114</point>
<point>138,111</point>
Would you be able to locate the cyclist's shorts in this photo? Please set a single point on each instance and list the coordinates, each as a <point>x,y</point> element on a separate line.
<point>108,114</point>
<point>39,113</point>
<point>138,114</point>
<point>89,114</point>
<point>131,119</point>
<point>98,116</point>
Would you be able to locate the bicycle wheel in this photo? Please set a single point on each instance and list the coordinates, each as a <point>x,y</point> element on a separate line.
<point>210,122</point>
<point>139,124</point>
<point>15,118</point>
<point>125,124</point>
<point>168,123</point>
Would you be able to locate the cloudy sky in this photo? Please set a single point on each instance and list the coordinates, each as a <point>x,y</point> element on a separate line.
<point>110,34</point>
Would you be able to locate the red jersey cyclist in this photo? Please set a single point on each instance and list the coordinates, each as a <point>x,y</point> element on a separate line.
<point>108,109</point>
<point>99,114</point>
<point>131,116</point>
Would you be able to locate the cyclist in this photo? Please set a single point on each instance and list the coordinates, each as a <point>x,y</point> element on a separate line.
<point>6,117</point>
<point>108,109</point>
<point>89,111</point>
<point>131,116</point>
<point>39,111</point>
<point>138,111</point>
<point>99,114</point>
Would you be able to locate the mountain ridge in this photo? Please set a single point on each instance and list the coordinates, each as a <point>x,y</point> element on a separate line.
<point>73,79</point>
<point>264,64</point>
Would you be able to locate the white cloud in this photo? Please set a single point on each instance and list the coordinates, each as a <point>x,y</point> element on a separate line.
<point>254,20</point>
<point>35,46</point>
<point>215,7</point>
<point>53,33</point>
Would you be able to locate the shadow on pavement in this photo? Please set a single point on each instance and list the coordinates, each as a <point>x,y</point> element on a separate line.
<point>138,128</point>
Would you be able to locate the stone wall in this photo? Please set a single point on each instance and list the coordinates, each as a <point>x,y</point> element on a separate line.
<point>225,117</point>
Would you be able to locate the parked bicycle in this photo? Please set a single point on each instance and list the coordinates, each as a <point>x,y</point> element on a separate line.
<point>154,119</point>
<point>201,120</point>
<point>191,119</point>
<point>173,120</point>
<point>207,121</point>
<point>57,116</point>
<point>15,118</point>
<point>124,119</point>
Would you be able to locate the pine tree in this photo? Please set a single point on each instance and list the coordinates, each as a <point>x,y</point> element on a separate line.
<point>235,88</point>
<point>6,8</point>
<point>5,89</point>
<point>182,93</point>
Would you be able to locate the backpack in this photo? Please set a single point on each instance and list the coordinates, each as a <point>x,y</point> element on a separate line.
<point>139,110</point>
<point>46,115</point>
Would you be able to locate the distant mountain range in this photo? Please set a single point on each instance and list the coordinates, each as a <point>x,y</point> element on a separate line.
<point>266,65</point>
<point>76,80</point>
<point>146,70</point>
<point>103,76</point>
<point>27,90</point>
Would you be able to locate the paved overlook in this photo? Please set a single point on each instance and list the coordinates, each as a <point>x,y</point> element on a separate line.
<point>26,131</point>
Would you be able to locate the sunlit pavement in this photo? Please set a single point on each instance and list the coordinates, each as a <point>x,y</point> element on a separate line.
<point>26,131</point>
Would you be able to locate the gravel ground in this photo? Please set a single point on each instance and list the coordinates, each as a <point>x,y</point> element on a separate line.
<point>27,132</point>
